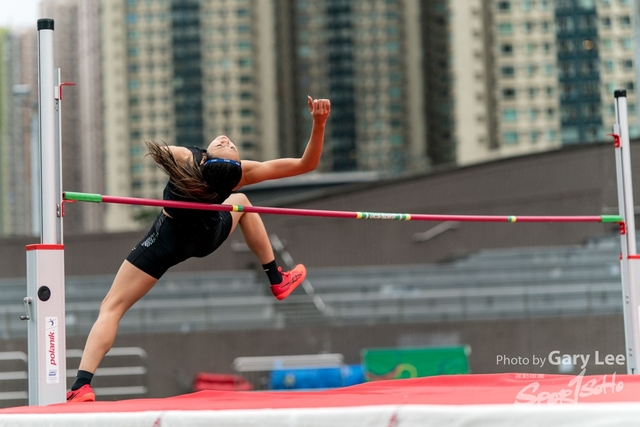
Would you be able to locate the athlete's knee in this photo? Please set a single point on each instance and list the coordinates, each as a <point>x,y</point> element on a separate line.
<point>239,199</point>
<point>112,306</point>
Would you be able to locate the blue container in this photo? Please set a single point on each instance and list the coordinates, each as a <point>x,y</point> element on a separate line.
<point>316,378</point>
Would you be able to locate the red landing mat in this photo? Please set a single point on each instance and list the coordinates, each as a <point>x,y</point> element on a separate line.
<point>474,389</point>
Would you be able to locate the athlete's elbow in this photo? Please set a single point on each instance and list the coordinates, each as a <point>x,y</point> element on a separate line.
<point>308,166</point>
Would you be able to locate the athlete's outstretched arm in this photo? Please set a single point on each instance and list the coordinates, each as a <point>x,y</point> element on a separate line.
<point>254,172</point>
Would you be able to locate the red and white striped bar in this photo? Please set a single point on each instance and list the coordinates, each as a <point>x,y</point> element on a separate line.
<point>97,198</point>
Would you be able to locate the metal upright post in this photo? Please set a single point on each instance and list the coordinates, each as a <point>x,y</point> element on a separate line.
<point>630,262</point>
<point>44,303</point>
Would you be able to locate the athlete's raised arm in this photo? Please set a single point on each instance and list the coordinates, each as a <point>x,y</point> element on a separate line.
<point>254,172</point>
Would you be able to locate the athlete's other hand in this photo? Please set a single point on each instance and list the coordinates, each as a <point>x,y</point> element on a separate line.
<point>319,109</point>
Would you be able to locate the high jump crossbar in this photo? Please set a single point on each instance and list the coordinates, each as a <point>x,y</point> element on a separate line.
<point>98,198</point>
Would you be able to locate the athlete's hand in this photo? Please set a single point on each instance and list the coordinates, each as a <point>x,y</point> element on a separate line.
<point>319,109</point>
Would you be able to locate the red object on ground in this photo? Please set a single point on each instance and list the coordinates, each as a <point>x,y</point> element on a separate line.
<point>470,389</point>
<point>220,382</point>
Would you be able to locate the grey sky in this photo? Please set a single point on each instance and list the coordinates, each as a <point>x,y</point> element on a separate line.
<point>18,14</point>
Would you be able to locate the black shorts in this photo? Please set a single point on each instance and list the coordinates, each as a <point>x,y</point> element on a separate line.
<point>171,241</point>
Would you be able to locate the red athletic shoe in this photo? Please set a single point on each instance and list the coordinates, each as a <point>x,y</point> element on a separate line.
<point>290,281</point>
<point>83,394</point>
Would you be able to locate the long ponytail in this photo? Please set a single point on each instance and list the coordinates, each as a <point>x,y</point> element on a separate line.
<point>203,183</point>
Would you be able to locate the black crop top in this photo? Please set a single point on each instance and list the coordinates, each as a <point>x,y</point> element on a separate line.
<point>171,193</point>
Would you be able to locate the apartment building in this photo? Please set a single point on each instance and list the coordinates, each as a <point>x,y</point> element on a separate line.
<point>18,99</point>
<point>594,55</point>
<point>530,75</point>
<point>365,56</point>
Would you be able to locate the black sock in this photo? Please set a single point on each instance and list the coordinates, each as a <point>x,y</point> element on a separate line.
<point>272,272</point>
<point>82,378</point>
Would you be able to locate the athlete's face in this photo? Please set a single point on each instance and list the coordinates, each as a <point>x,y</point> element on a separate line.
<point>223,148</point>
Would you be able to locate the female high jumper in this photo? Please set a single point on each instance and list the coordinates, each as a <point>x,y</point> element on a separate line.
<point>208,176</point>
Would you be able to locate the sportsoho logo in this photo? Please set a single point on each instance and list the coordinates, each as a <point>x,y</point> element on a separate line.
<point>576,389</point>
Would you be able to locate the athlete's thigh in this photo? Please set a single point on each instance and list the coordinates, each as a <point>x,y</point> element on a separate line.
<point>128,287</point>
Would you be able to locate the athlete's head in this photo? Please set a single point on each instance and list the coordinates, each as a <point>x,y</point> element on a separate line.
<point>223,148</point>
<point>222,175</point>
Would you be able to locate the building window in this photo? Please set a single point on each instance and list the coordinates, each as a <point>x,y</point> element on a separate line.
<point>510,138</point>
<point>504,6</point>
<point>591,110</point>
<point>244,62</point>
<point>396,139</point>
<point>534,136</point>
<point>565,46</point>
<point>530,48</point>
<point>393,47</point>
<point>625,21</point>
<point>395,93</point>
<point>565,24</point>
<point>570,134</point>
<point>508,71</point>
<point>510,115</point>
<point>609,65</point>
<point>567,90</point>
<point>591,88</point>
<point>505,28</point>
<point>587,4</point>
<point>568,112</point>
<point>506,49</point>
<point>567,69</point>
<point>304,51</point>
<point>509,93</point>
